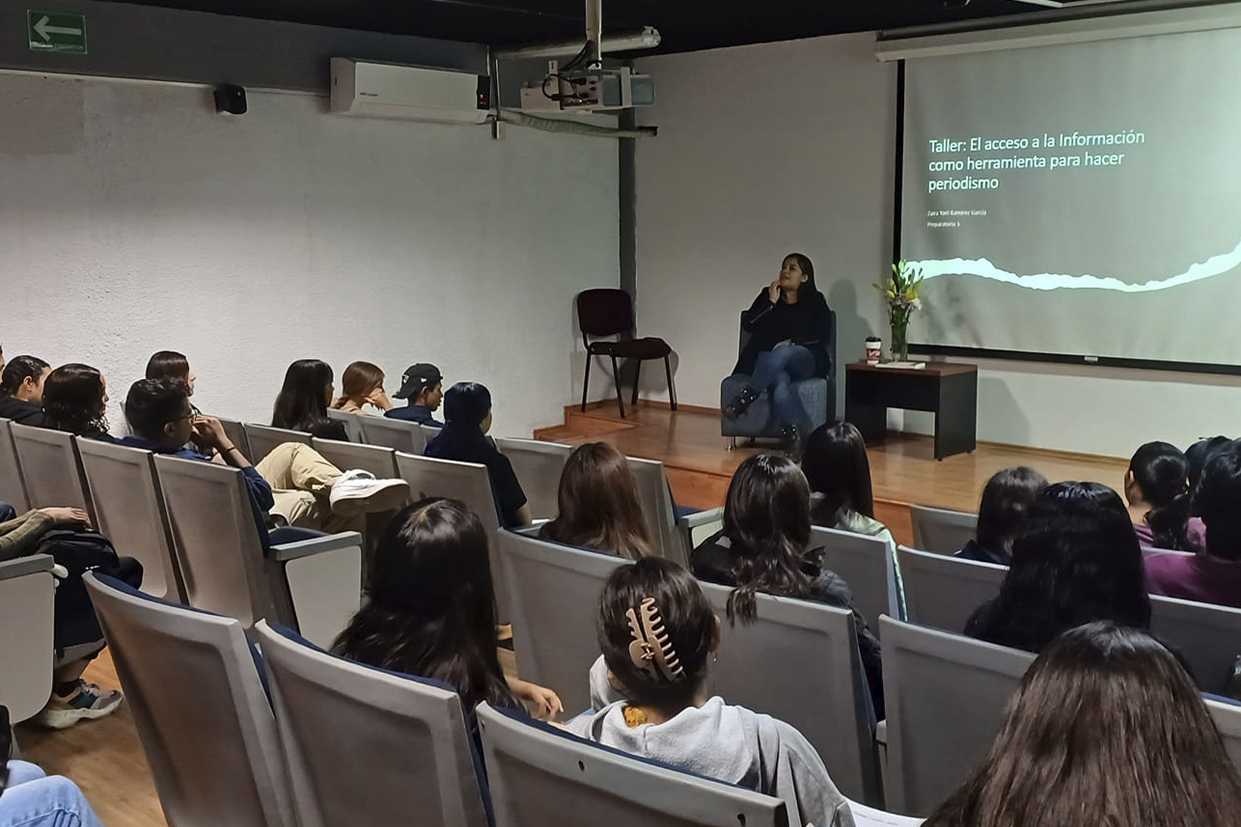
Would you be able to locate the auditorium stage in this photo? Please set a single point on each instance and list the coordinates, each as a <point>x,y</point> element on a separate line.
<point>903,470</point>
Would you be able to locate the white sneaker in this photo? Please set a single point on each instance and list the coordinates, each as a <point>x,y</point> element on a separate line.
<point>358,492</point>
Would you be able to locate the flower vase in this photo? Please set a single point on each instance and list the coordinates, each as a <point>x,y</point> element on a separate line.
<point>900,336</point>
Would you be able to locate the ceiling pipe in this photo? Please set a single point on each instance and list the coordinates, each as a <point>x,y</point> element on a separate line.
<point>594,34</point>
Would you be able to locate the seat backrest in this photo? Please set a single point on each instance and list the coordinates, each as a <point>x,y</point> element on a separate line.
<point>264,439</point>
<point>658,509</point>
<point>349,455</point>
<point>945,696</point>
<point>51,468</point>
<point>197,699</point>
<point>943,591</point>
<point>538,466</point>
<point>12,486</point>
<point>470,483</point>
<point>1208,636</point>
<point>799,663</point>
<point>541,776</point>
<point>554,597</point>
<point>26,640</point>
<point>237,435</point>
<point>942,531</point>
<point>604,312</point>
<point>131,513</point>
<point>352,422</point>
<point>215,538</point>
<point>865,564</point>
<point>1228,721</point>
<point>397,434</point>
<point>406,740</point>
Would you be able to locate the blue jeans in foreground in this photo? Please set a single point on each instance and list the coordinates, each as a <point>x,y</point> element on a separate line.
<point>33,799</point>
<point>775,371</point>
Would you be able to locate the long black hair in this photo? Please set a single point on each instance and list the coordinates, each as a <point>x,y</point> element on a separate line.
<point>1076,560</point>
<point>302,402</point>
<point>836,466</point>
<point>1217,500</point>
<point>767,520</point>
<point>1005,501</point>
<point>18,370</point>
<point>74,400</point>
<point>430,609</point>
<point>1161,474</point>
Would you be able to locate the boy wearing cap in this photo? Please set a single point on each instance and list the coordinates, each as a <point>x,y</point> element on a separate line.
<point>423,386</point>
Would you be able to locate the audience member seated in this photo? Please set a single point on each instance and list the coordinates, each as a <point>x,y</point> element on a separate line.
<point>31,798</point>
<point>362,384</point>
<point>764,547</point>
<point>21,390</point>
<point>302,402</point>
<point>838,470</point>
<point>658,635</point>
<point>1076,560</point>
<point>1157,488</point>
<point>294,481</point>
<point>422,386</point>
<point>168,364</point>
<point>1198,454</point>
<point>467,407</point>
<point>430,610</point>
<point>598,504</point>
<point>1106,728</point>
<point>75,399</point>
<point>1005,501</point>
<point>1213,576</point>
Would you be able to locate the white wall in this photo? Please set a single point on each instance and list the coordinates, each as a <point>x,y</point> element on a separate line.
<point>767,149</point>
<point>133,218</point>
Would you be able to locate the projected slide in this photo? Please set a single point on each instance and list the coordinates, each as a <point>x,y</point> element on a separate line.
<point>1080,200</point>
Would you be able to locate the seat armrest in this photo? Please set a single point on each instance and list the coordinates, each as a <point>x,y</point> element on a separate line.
<point>26,565</point>
<point>690,524</point>
<point>881,732</point>
<point>316,545</point>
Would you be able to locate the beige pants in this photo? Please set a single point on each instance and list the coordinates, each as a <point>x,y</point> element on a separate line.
<point>301,481</point>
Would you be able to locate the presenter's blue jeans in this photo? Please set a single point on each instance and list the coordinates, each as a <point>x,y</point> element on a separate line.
<point>775,371</point>
<point>33,799</point>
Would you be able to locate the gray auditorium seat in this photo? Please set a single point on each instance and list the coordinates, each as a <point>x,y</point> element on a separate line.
<point>397,434</point>
<point>943,591</point>
<point>352,422</point>
<point>365,746</point>
<point>348,455</point>
<point>197,698</point>
<point>1227,718</point>
<point>540,776</point>
<point>537,465</point>
<point>236,432</point>
<point>1208,636</point>
<point>942,531</point>
<point>945,696</point>
<point>26,642</point>
<point>658,509</point>
<point>866,565</point>
<point>12,486</point>
<point>51,468</point>
<point>263,439</point>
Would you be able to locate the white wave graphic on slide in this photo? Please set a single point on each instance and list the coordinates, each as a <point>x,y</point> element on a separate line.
<point>981,267</point>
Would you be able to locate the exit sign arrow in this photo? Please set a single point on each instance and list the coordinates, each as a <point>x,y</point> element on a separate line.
<point>56,32</point>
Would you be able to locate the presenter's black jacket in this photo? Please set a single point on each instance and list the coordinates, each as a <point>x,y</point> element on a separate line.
<point>807,323</point>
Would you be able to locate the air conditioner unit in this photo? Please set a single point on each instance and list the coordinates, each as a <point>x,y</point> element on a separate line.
<point>388,90</point>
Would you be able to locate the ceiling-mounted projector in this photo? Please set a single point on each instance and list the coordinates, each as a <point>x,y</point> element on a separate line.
<point>588,90</point>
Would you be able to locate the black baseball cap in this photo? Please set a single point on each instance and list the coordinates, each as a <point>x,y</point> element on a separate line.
<point>418,378</point>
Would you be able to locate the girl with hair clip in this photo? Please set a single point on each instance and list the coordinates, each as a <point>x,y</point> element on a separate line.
<point>1157,489</point>
<point>598,504</point>
<point>765,546</point>
<point>658,636</point>
<point>1106,728</point>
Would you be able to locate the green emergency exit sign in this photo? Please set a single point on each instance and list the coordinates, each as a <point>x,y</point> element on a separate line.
<point>56,32</point>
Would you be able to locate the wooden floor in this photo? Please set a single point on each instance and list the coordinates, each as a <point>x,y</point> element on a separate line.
<point>903,470</point>
<point>106,759</point>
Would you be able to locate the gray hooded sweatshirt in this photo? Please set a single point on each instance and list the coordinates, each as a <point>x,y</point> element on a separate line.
<point>728,743</point>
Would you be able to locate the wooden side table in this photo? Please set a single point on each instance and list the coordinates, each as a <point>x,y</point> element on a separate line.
<point>947,389</point>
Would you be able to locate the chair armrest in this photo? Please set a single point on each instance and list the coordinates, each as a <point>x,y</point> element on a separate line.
<point>700,518</point>
<point>317,545</point>
<point>26,565</point>
<point>881,732</point>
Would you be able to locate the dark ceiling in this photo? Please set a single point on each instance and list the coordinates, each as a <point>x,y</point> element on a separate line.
<point>685,24</point>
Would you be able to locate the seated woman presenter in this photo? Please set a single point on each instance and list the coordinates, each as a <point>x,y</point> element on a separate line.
<point>786,324</point>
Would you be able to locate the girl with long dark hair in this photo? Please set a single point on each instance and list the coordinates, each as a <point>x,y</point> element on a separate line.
<point>1106,728</point>
<point>1076,560</point>
<point>21,390</point>
<point>765,548</point>
<point>430,609</point>
<point>788,324</point>
<point>1005,502</point>
<point>599,505</point>
<point>75,399</point>
<point>303,400</point>
<point>838,470</point>
<point>658,634</point>
<point>1157,488</point>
